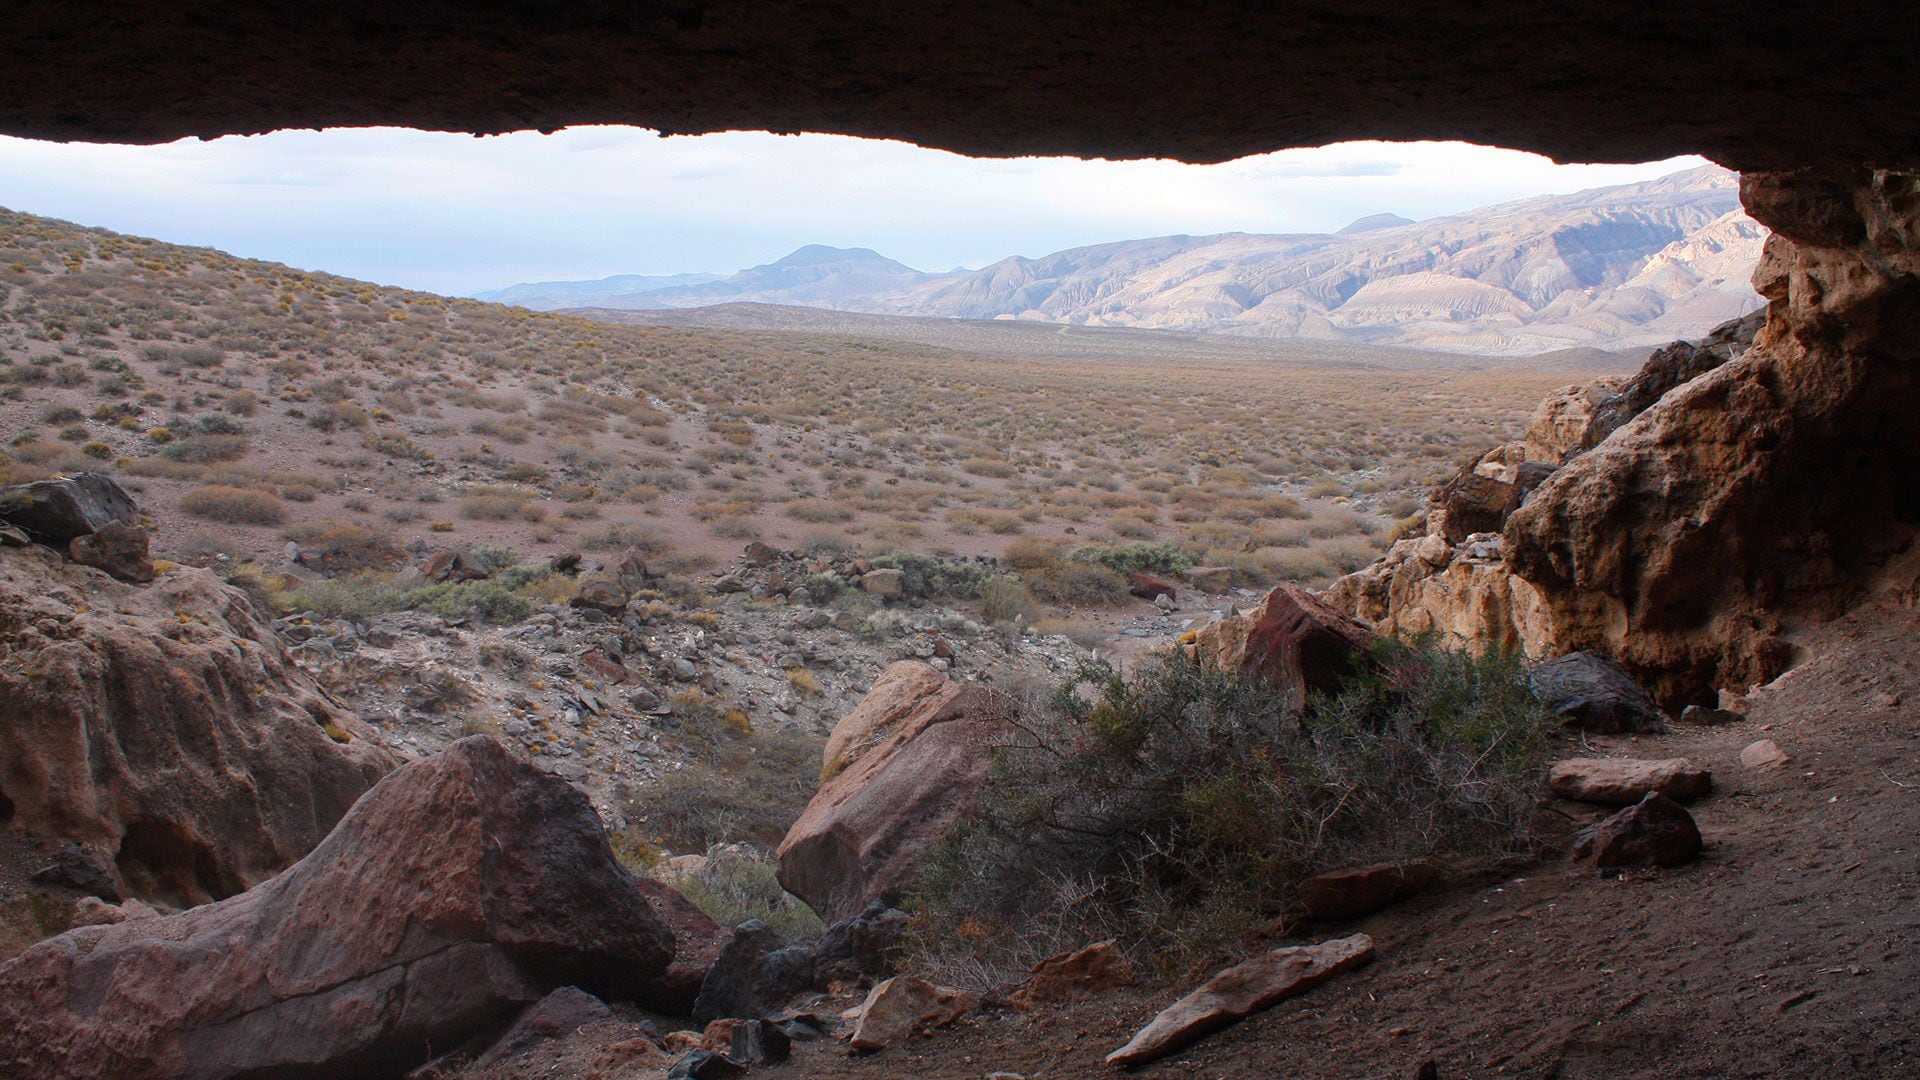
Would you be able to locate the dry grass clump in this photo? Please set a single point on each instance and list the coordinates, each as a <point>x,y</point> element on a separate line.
<point>343,547</point>
<point>816,511</point>
<point>234,505</point>
<point>501,503</point>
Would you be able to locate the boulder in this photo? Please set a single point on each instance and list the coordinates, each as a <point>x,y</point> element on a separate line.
<point>887,584</point>
<point>452,565</point>
<point>1293,639</point>
<point>1621,781</point>
<point>116,547</point>
<point>697,941</point>
<point>755,972</point>
<point>1592,693</point>
<point>1076,976</point>
<point>866,945</point>
<point>758,1042</point>
<point>1350,894</point>
<point>631,573</point>
<point>898,769</point>
<point>1764,754</point>
<point>1469,503</point>
<point>53,512</point>
<point>462,887</point>
<point>1150,586</point>
<point>897,1008</point>
<point>703,1064</point>
<point>1667,368</point>
<point>1240,991</point>
<point>758,553</point>
<point>1656,831</point>
<point>166,729</point>
<point>599,594</point>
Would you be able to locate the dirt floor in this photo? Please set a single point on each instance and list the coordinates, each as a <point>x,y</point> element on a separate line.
<point>1792,949</point>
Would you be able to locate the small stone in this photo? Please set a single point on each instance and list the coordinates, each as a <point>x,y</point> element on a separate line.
<point>1886,700</point>
<point>1765,754</point>
<point>1076,975</point>
<point>703,1064</point>
<point>758,1042</point>
<point>887,584</point>
<point>1700,714</point>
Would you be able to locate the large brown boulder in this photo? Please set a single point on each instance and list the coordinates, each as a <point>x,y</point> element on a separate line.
<point>1294,639</point>
<point>461,888</point>
<point>898,769</point>
<point>165,728</point>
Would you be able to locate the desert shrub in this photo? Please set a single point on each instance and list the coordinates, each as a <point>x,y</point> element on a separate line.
<point>993,468</point>
<point>817,511</point>
<point>336,415</point>
<point>742,786</point>
<point>488,601</point>
<point>1076,584</point>
<point>488,503</point>
<point>207,449</point>
<point>233,505</point>
<point>930,577</point>
<point>360,596</point>
<point>1025,554</point>
<point>1180,807</point>
<point>343,547</point>
<point>739,882</point>
<point>1160,558</point>
<point>1005,600</point>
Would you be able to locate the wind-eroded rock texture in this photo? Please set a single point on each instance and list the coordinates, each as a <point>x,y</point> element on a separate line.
<point>165,727</point>
<point>1774,484</point>
<point>462,887</point>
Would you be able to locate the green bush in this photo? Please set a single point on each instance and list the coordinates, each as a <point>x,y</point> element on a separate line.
<point>1181,807</point>
<point>361,596</point>
<point>929,577</point>
<point>1155,558</point>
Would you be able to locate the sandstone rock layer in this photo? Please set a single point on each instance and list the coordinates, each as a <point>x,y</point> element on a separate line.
<point>460,888</point>
<point>166,728</point>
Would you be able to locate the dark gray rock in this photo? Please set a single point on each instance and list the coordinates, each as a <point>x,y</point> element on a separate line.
<point>1656,831</point>
<point>759,1042</point>
<point>703,1065</point>
<point>53,512</point>
<point>866,945</point>
<point>755,973</point>
<point>1593,693</point>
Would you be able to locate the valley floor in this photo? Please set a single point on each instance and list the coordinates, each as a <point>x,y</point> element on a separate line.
<point>1791,949</point>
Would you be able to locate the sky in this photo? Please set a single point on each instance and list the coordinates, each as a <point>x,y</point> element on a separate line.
<point>456,214</point>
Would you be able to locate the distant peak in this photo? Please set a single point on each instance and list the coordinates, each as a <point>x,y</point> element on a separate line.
<point>1375,221</point>
<point>819,253</point>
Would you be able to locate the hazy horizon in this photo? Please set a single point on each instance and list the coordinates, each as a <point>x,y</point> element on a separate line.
<point>456,214</point>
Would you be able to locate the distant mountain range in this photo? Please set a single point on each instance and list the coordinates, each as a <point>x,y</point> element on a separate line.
<point>1615,267</point>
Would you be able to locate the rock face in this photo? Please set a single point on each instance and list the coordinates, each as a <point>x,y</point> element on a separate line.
<point>165,728</point>
<point>54,512</point>
<point>461,887</point>
<point>1656,831</point>
<point>898,769</point>
<point>1293,639</point>
<point>697,941</point>
<point>1620,781</point>
<point>1677,542</point>
<point>1240,991</point>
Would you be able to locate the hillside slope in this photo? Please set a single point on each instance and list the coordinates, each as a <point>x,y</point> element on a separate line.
<point>1611,268</point>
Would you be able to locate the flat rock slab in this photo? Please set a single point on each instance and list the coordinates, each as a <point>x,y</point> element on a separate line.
<point>1349,894</point>
<point>1242,990</point>
<point>1624,781</point>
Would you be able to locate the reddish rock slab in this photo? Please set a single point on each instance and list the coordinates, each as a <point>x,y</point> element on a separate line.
<point>462,887</point>
<point>1765,754</point>
<point>1622,781</point>
<point>1240,991</point>
<point>1148,586</point>
<point>898,769</point>
<point>1350,894</point>
<point>1656,831</point>
<point>1076,976</point>
<point>697,941</point>
<point>1294,639</point>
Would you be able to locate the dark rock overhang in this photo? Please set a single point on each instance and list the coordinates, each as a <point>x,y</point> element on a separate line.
<point>1752,86</point>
